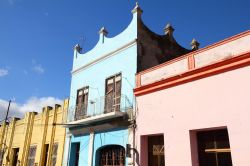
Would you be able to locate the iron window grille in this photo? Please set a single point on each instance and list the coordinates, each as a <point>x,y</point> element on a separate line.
<point>113,155</point>
<point>32,156</point>
<point>54,154</point>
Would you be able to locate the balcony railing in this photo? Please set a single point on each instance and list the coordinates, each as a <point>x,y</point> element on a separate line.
<point>99,106</point>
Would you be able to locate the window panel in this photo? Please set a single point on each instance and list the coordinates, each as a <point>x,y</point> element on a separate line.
<point>1,156</point>
<point>32,155</point>
<point>113,93</point>
<point>214,148</point>
<point>112,155</point>
<point>54,154</point>
<point>81,103</point>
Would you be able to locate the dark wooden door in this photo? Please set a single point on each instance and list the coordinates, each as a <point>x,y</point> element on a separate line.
<point>156,155</point>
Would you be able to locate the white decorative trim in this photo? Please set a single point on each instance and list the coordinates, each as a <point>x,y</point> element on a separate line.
<point>104,56</point>
<point>91,146</point>
<point>96,118</point>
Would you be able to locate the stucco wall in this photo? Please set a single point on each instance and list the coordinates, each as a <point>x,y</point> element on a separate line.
<point>114,137</point>
<point>34,129</point>
<point>115,55</point>
<point>94,77</point>
<point>217,101</point>
<point>125,63</point>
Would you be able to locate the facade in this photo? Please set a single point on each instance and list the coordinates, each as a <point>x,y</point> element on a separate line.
<point>34,140</point>
<point>101,124</point>
<point>195,109</point>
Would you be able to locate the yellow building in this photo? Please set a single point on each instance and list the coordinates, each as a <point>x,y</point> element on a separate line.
<point>35,140</point>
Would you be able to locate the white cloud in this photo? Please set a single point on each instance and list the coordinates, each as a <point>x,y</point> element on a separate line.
<point>38,69</point>
<point>3,72</point>
<point>32,104</point>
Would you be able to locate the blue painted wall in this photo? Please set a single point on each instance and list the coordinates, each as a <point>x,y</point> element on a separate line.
<point>84,146</point>
<point>123,61</point>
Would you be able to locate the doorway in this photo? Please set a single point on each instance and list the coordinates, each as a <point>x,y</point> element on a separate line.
<point>112,155</point>
<point>156,155</point>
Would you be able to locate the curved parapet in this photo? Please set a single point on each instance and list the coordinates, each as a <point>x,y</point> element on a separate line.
<point>106,46</point>
<point>152,49</point>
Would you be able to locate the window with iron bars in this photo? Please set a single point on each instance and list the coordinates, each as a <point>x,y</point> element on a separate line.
<point>32,156</point>
<point>81,103</point>
<point>54,154</point>
<point>113,93</point>
<point>112,155</point>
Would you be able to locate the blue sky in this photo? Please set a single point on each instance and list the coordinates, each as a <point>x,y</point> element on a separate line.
<point>37,36</point>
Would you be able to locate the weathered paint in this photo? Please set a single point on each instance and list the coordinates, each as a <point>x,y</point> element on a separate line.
<point>226,49</point>
<point>172,69</point>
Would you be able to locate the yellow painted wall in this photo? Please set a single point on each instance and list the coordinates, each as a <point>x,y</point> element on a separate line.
<point>34,129</point>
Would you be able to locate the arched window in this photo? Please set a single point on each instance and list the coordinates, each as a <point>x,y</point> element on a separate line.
<point>112,155</point>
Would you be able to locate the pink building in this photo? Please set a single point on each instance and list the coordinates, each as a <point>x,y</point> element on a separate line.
<point>195,110</point>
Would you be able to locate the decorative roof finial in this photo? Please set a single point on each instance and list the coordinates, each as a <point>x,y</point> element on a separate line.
<point>137,9</point>
<point>168,29</point>
<point>78,48</point>
<point>195,44</point>
<point>103,31</point>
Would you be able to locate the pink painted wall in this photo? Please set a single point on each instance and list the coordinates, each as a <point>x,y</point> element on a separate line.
<point>221,100</point>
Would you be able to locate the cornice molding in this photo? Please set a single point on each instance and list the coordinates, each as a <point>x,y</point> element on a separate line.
<point>105,56</point>
<point>195,74</point>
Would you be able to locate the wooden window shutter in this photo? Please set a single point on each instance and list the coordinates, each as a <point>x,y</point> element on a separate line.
<point>117,99</point>
<point>109,94</point>
<point>113,93</point>
<point>81,103</point>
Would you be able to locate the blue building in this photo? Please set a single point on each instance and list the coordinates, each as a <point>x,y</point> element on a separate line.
<point>101,115</point>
